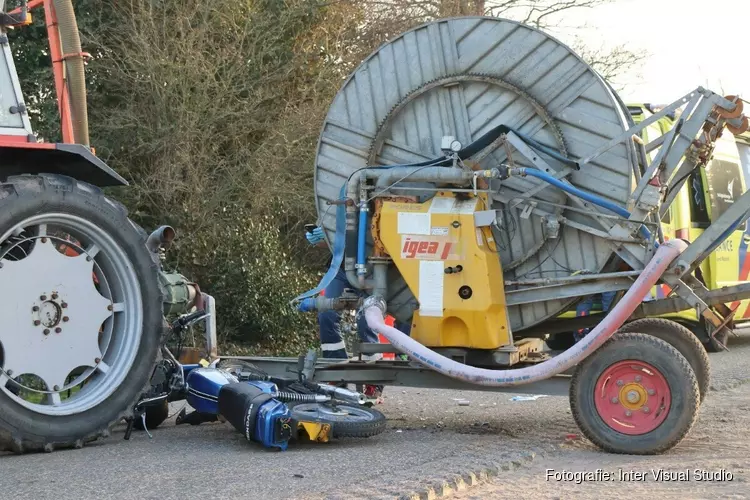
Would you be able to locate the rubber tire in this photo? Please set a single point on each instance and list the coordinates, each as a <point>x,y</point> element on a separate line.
<point>346,429</point>
<point>155,416</point>
<point>561,341</point>
<point>23,430</point>
<point>672,365</point>
<point>682,339</point>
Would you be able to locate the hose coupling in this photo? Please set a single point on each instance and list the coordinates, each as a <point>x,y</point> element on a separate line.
<point>374,301</point>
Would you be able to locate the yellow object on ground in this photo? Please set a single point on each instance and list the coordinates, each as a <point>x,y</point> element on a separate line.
<point>315,431</point>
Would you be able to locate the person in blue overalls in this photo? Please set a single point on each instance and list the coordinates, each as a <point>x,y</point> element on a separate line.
<point>331,342</point>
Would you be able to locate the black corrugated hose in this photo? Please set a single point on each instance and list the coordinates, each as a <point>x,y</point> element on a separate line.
<point>70,41</point>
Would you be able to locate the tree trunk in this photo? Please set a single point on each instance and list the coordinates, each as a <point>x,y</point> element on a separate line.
<point>451,8</point>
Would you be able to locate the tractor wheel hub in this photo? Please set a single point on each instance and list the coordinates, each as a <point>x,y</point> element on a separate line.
<point>36,345</point>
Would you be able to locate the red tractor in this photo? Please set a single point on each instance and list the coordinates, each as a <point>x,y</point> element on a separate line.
<point>81,304</point>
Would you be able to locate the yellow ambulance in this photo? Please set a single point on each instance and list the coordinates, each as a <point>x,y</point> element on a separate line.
<point>706,194</point>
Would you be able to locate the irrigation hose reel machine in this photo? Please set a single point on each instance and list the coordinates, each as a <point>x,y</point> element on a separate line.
<point>476,178</point>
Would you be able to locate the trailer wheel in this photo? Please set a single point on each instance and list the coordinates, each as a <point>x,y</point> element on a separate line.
<point>624,404</point>
<point>561,341</point>
<point>346,420</point>
<point>682,339</point>
<point>80,313</point>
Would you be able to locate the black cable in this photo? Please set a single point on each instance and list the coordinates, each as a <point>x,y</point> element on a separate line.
<point>678,181</point>
<point>549,254</point>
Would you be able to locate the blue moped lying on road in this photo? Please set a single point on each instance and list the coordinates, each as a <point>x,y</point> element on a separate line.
<point>268,410</point>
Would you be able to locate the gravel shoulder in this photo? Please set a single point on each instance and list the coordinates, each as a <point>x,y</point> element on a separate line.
<point>712,462</point>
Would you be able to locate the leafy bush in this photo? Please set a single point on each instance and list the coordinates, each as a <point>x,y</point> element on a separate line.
<point>253,280</point>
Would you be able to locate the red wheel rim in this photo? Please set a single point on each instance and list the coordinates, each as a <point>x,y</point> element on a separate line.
<point>632,397</point>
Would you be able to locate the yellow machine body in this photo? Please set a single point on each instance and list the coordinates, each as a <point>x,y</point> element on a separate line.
<point>452,268</point>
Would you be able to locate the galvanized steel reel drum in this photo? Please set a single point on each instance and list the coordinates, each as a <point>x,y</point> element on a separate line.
<point>461,77</point>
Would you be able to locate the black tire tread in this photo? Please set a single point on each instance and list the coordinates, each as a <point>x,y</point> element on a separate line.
<point>13,439</point>
<point>682,339</point>
<point>580,416</point>
<point>344,429</point>
<point>561,341</point>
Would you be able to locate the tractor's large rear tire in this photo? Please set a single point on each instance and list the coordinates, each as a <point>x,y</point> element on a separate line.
<point>636,394</point>
<point>105,289</point>
<point>682,339</point>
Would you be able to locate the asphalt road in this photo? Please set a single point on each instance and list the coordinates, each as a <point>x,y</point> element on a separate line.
<point>430,440</point>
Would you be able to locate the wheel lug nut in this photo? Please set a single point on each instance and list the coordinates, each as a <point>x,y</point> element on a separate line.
<point>88,258</point>
<point>637,378</point>
<point>35,308</point>
<point>54,296</point>
<point>620,383</point>
<point>651,392</point>
<point>43,297</point>
<point>646,409</point>
<point>37,322</point>
<point>614,400</point>
<point>66,319</point>
<point>56,388</point>
<point>97,360</point>
<point>64,305</point>
<point>9,372</point>
<point>628,413</point>
<point>46,331</point>
<point>109,307</point>
<point>44,240</point>
<point>58,329</point>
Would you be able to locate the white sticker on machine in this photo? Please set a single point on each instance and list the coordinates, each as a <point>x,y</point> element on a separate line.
<point>480,240</point>
<point>442,205</point>
<point>414,223</point>
<point>439,231</point>
<point>431,274</point>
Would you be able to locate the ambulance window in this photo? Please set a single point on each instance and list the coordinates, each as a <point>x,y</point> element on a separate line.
<point>667,217</point>
<point>724,186</point>
<point>698,211</point>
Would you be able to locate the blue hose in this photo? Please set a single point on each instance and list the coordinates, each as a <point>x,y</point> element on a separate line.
<point>339,240</point>
<point>612,207</point>
<point>362,241</point>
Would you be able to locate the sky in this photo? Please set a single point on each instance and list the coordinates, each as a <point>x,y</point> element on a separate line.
<point>690,44</point>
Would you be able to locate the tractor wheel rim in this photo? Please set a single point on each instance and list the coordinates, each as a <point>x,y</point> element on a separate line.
<point>632,397</point>
<point>71,323</point>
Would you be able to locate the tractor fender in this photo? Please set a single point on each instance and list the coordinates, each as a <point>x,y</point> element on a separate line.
<point>73,160</point>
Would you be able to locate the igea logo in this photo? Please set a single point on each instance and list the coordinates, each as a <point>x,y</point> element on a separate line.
<point>427,248</point>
